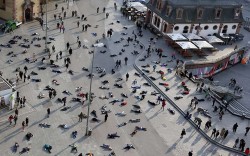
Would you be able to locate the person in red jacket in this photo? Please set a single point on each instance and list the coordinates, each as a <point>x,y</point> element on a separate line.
<point>247,151</point>
<point>163,104</point>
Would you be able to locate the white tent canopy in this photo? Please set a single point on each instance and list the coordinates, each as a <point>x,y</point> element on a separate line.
<point>202,44</point>
<point>213,39</point>
<point>138,6</point>
<point>177,37</point>
<point>186,45</point>
<point>192,36</point>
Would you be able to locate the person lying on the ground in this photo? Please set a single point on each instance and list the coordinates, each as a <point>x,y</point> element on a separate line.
<point>113,135</point>
<point>85,69</point>
<point>121,113</point>
<point>140,128</point>
<point>64,126</point>
<point>94,113</point>
<point>71,72</point>
<point>122,124</point>
<point>112,154</point>
<point>178,97</point>
<point>147,84</point>
<point>152,103</point>
<point>134,120</point>
<point>48,88</point>
<point>112,71</point>
<point>56,71</point>
<point>76,99</point>
<point>95,119</point>
<point>116,100</point>
<point>124,95</point>
<point>106,146</point>
<point>41,68</point>
<point>145,66</point>
<point>171,111</point>
<point>47,147</point>
<point>142,59</point>
<point>163,84</point>
<point>152,78</point>
<point>104,82</point>
<point>54,81</point>
<point>137,74</point>
<point>133,133</point>
<point>28,136</point>
<point>147,71</point>
<point>136,87</point>
<point>103,97</point>
<point>154,93</point>
<point>136,110</point>
<point>44,125</point>
<point>129,146</point>
<point>36,80</point>
<point>33,73</point>
<point>103,74</point>
<point>118,85</point>
<point>67,92</point>
<point>113,55</point>
<point>136,106</point>
<point>118,79</point>
<point>65,108</point>
<point>124,103</point>
<point>73,148</point>
<point>24,150</point>
<point>103,87</point>
<point>143,92</point>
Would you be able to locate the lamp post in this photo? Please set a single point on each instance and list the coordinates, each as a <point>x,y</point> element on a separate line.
<point>46,29</point>
<point>90,86</point>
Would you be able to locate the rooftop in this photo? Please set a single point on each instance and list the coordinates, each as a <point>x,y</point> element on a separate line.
<point>4,85</point>
<point>204,2</point>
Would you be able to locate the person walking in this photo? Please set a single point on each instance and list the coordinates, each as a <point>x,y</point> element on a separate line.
<point>48,112</point>
<point>10,119</point>
<point>225,134</point>
<point>25,69</point>
<point>222,132</point>
<point>190,153</point>
<point>16,111</point>
<point>213,133</point>
<point>83,27</point>
<point>67,66</point>
<point>154,67</point>
<point>217,134</point>
<point>70,51</point>
<point>158,99</point>
<point>64,14</point>
<point>235,126</point>
<point>236,142</point>
<point>97,10</point>
<point>62,9</point>
<point>79,44</point>
<point>126,60</point>
<point>183,132</point>
<point>26,121</point>
<point>163,104</point>
<point>247,130</point>
<point>50,94</point>
<point>80,117</point>
<point>214,100</point>
<point>67,44</point>
<point>64,101</point>
<point>82,17</point>
<point>56,5</point>
<point>60,53</point>
<point>23,125</point>
<point>24,77</point>
<point>78,24</point>
<point>106,117</point>
<point>127,76</point>
<point>15,120</point>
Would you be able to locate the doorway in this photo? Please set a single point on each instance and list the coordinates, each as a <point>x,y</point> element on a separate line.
<point>28,14</point>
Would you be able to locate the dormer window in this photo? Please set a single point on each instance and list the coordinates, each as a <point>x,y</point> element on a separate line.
<point>159,4</point>
<point>179,13</point>
<point>199,13</point>
<point>218,12</point>
<point>237,12</point>
<point>168,11</point>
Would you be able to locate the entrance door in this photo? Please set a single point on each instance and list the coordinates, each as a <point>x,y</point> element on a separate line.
<point>28,14</point>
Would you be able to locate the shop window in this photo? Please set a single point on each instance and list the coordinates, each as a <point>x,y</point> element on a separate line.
<point>224,30</point>
<point>206,27</point>
<point>179,13</point>
<point>199,13</point>
<point>185,29</point>
<point>176,28</point>
<point>218,12</point>
<point>157,21</point>
<point>234,27</point>
<point>215,27</point>
<point>165,27</point>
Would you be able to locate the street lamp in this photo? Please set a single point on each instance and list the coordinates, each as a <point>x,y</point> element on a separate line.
<point>46,28</point>
<point>90,85</point>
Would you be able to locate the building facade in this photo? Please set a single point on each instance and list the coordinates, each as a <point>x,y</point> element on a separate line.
<point>20,10</point>
<point>7,94</point>
<point>202,17</point>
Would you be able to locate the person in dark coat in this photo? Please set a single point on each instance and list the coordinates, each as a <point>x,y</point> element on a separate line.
<point>225,134</point>
<point>106,117</point>
<point>70,51</point>
<point>183,132</point>
<point>48,112</point>
<point>27,121</point>
<point>235,126</point>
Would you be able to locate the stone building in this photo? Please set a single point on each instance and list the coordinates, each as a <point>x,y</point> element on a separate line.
<point>203,17</point>
<point>21,10</point>
<point>7,94</point>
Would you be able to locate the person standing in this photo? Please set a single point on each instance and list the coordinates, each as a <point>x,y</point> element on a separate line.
<point>67,44</point>
<point>70,51</point>
<point>134,82</point>
<point>80,117</point>
<point>127,76</point>
<point>27,121</point>
<point>106,117</point>
<point>23,125</point>
<point>64,14</point>
<point>163,104</point>
<point>236,142</point>
<point>25,69</point>
<point>62,9</point>
<point>126,60</point>
<point>56,5</point>
<point>79,44</point>
<point>60,53</point>
<point>225,134</point>
<point>190,153</point>
<point>247,130</point>
<point>235,126</point>
<point>97,10</point>
<point>50,94</point>
<point>48,112</point>
<point>24,77</point>
<point>154,67</point>
<point>78,24</point>
<point>213,133</point>
<point>10,119</point>
<point>15,120</point>
<point>83,27</point>
<point>183,132</point>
